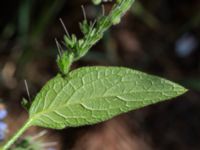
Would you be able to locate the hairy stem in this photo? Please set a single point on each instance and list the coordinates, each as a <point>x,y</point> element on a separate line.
<point>102,25</point>
<point>93,32</point>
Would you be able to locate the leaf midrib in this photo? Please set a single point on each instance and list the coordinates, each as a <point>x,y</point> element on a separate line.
<point>34,116</point>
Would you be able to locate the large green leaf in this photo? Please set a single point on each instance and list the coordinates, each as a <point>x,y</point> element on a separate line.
<point>93,94</point>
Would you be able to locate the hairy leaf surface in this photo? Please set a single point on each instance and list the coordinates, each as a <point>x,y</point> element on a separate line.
<point>93,94</point>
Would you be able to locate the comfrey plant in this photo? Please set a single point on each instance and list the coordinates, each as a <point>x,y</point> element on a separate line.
<point>90,95</point>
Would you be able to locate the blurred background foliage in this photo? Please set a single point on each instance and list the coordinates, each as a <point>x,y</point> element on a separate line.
<point>156,36</point>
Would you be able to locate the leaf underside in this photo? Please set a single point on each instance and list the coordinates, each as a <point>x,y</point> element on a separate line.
<point>93,94</point>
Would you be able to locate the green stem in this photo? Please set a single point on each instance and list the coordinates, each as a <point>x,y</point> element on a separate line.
<point>92,32</point>
<point>17,135</point>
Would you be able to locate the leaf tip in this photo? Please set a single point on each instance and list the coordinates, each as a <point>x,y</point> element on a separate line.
<point>182,90</point>
<point>185,90</point>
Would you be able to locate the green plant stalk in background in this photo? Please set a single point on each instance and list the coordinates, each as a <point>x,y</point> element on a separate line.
<point>90,95</point>
<point>92,32</point>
